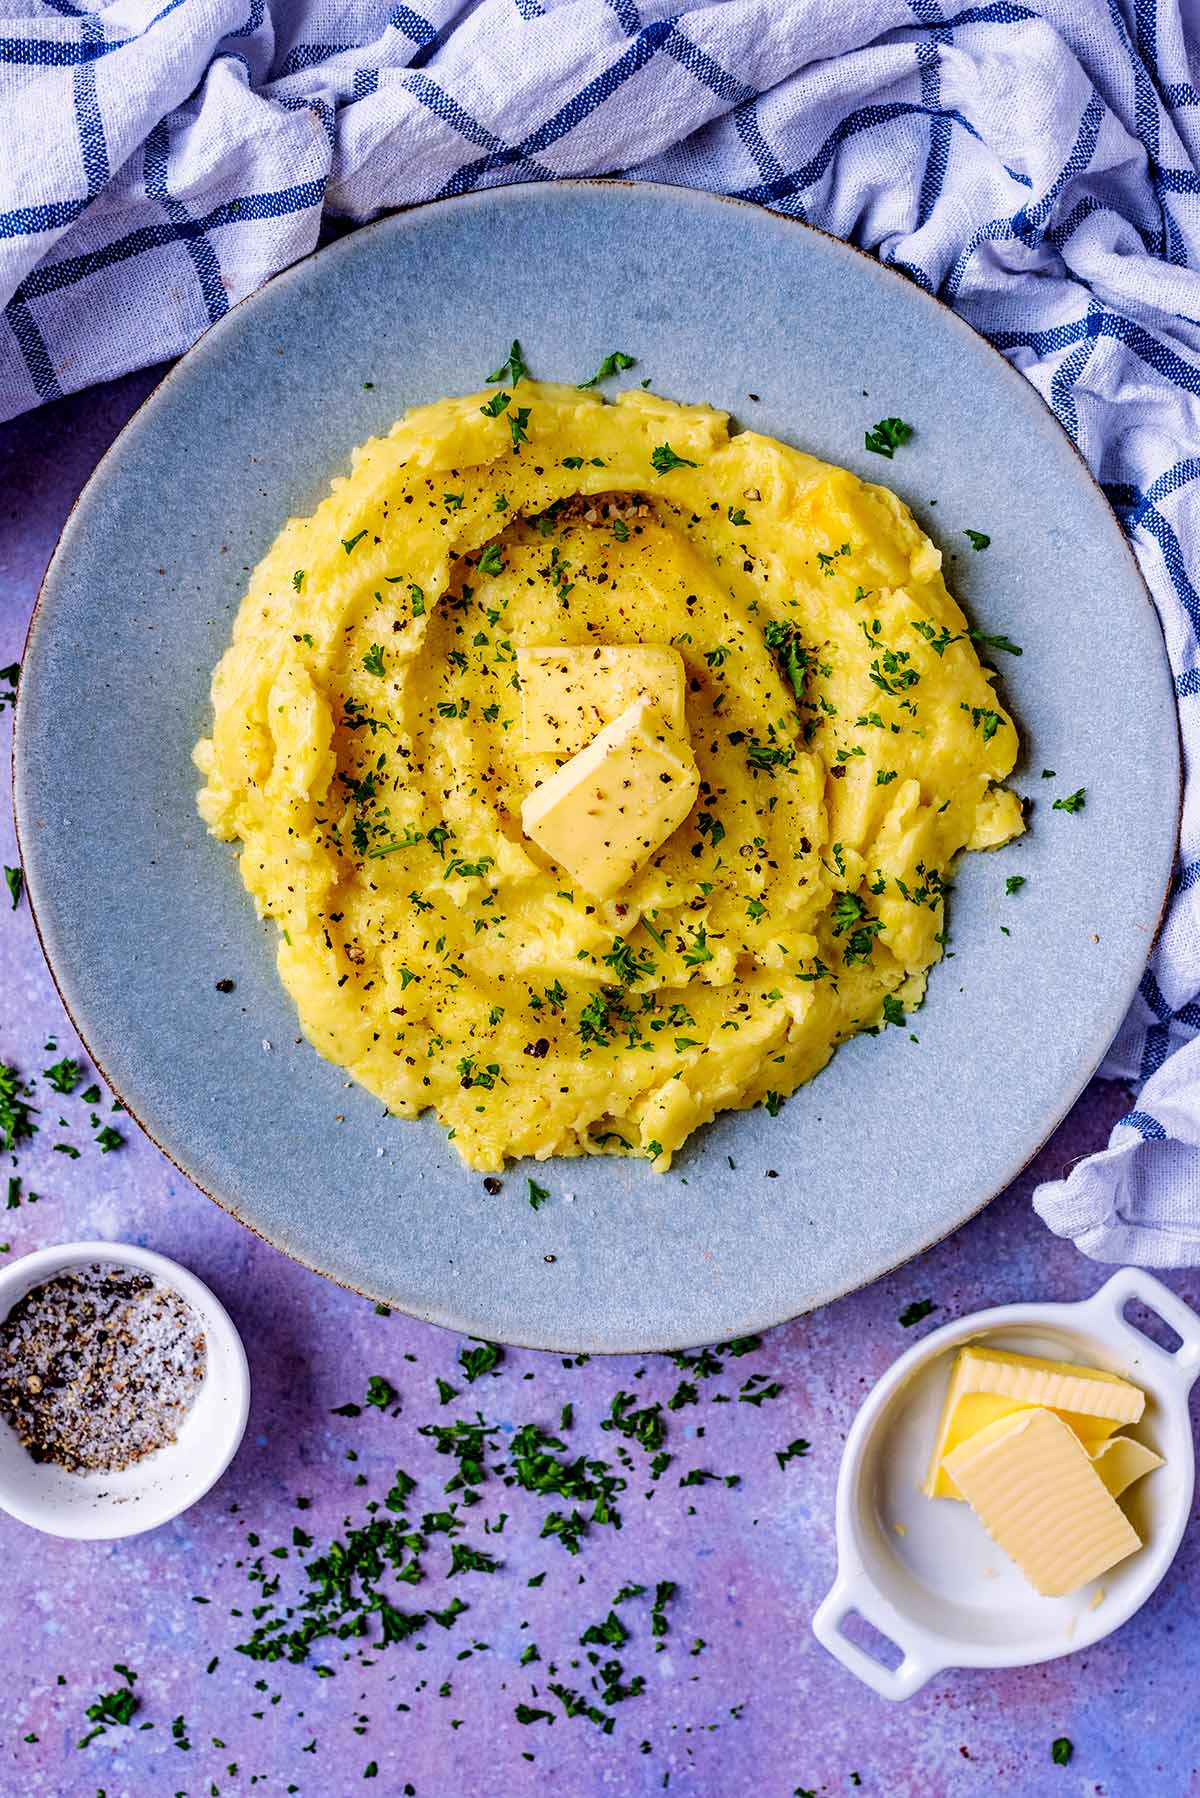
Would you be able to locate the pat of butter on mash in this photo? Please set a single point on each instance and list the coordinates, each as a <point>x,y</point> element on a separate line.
<point>602,815</point>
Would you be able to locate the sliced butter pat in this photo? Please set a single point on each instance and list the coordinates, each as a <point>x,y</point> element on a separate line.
<point>1033,1487</point>
<point>567,695</point>
<point>605,812</point>
<point>988,1384</point>
<point>1120,1461</point>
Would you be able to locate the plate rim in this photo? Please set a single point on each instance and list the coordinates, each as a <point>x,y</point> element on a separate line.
<point>442,1316</point>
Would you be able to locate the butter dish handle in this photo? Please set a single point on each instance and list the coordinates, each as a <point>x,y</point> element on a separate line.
<point>853,1592</point>
<point>1130,1283</point>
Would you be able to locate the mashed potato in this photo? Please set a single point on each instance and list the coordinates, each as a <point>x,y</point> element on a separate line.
<point>367,750</point>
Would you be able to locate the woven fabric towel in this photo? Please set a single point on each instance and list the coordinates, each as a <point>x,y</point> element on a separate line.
<point>1033,164</point>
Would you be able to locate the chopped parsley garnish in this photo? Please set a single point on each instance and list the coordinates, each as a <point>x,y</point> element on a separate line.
<point>107,1139</point>
<point>298,579</point>
<point>513,369</point>
<point>938,641</point>
<point>893,1010</point>
<point>538,1195</point>
<point>888,436</point>
<point>348,543</point>
<point>764,758</point>
<point>697,950</point>
<point>663,459</point>
<point>793,1452</point>
<point>1014,883</point>
<point>517,427</point>
<point>783,641</point>
<point>477,1361</point>
<point>1061,1751</point>
<point>889,673</point>
<point>1074,802</point>
<point>110,1707</point>
<point>987,641</point>
<point>373,660</point>
<point>16,1114</point>
<point>627,963</point>
<point>912,1314</point>
<point>499,402</point>
<point>470,1560</point>
<point>983,718</point>
<point>14,880</point>
<point>852,920</point>
<point>491,561</point>
<point>453,502</point>
<point>612,364</point>
<point>64,1076</point>
<point>828,562</point>
<point>736,515</point>
<point>528,1713</point>
<point>977,539</point>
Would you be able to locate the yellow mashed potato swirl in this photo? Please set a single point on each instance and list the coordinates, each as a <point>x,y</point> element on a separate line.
<point>367,750</point>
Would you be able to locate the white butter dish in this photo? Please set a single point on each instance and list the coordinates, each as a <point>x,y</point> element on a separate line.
<point>924,1574</point>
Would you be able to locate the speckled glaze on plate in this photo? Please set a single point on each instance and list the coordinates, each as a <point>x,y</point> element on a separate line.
<point>898,1141</point>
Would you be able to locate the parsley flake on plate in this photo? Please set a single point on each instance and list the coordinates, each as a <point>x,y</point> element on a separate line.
<point>912,1314</point>
<point>887,436</point>
<point>612,364</point>
<point>513,369</point>
<point>1074,802</point>
<point>977,539</point>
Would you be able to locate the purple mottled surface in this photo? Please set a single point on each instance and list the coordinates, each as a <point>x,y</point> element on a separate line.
<point>739,1703</point>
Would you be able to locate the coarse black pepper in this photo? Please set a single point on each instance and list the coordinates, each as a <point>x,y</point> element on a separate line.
<point>99,1366</point>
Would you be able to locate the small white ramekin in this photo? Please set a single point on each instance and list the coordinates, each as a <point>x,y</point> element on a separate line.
<point>102,1507</point>
<point>924,1574</point>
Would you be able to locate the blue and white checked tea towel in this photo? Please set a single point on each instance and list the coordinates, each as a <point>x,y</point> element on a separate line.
<point>1036,164</point>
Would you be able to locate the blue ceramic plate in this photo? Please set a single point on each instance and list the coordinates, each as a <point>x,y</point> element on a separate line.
<point>140,912</point>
